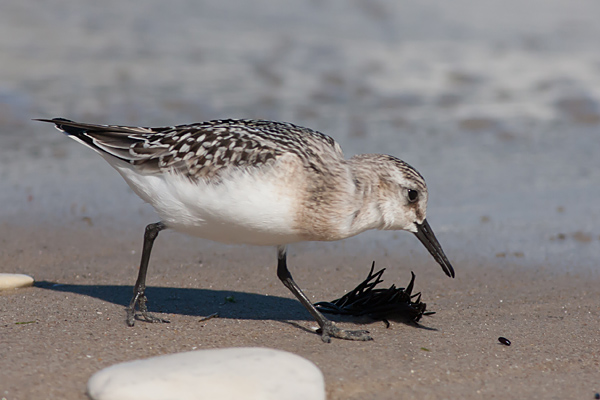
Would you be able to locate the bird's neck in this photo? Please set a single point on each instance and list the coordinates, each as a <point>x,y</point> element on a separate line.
<point>366,205</point>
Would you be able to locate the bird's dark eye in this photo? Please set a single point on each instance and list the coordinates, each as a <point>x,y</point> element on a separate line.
<point>413,195</point>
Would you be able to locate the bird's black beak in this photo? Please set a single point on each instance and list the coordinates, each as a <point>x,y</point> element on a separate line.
<point>426,236</point>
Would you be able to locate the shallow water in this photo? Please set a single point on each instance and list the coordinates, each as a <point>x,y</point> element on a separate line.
<point>497,104</point>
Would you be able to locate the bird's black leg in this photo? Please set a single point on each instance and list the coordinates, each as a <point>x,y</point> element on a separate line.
<point>139,296</point>
<point>328,328</point>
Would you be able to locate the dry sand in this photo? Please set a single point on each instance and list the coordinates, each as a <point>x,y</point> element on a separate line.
<point>71,324</point>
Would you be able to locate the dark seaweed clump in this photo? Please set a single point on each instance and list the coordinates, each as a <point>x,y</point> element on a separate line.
<point>379,304</point>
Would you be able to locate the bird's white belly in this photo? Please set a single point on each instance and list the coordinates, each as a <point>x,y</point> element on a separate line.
<point>248,209</point>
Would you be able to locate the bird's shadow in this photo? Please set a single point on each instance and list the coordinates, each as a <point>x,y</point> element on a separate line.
<point>204,302</point>
<point>193,301</point>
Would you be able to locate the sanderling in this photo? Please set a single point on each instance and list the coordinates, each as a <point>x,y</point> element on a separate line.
<point>262,183</point>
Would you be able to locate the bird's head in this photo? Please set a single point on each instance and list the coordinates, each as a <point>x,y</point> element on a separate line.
<point>402,200</point>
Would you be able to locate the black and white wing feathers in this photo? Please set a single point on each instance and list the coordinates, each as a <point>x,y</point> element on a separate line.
<point>202,150</point>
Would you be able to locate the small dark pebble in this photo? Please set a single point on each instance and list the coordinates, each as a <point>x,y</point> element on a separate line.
<point>504,341</point>
<point>597,396</point>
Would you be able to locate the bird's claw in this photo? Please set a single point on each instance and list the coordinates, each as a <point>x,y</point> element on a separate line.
<point>329,330</point>
<point>140,300</point>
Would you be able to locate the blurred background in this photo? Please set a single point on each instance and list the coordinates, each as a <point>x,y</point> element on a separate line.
<point>496,103</point>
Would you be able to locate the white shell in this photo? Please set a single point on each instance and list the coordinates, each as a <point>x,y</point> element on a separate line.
<point>219,374</point>
<point>13,281</point>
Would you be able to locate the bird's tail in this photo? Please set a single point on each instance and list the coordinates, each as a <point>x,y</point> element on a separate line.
<point>107,140</point>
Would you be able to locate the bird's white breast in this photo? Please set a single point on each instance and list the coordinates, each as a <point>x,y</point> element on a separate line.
<point>250,208</point>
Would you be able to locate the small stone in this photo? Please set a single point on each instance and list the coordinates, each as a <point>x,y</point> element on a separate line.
<point>504,341</point>
<point>219,374</point>
<point>13,281</point>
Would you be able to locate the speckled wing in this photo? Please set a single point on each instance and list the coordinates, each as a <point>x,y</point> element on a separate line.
<point>203,150</point>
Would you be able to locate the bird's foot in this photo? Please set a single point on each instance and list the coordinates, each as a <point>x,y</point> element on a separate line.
<point>140,300</point>
<point>329,330</point>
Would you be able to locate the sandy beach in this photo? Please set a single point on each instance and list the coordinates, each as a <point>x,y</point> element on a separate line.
<point>57,334</point>
<point>496,104</point>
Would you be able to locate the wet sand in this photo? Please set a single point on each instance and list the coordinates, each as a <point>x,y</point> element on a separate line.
<point>71,324</point>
